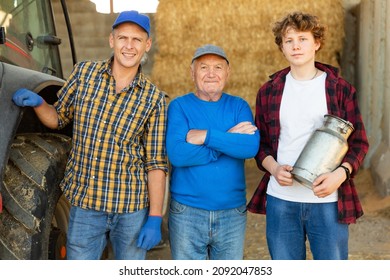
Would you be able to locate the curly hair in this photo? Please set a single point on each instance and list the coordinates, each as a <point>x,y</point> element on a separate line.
<point>299,22</point>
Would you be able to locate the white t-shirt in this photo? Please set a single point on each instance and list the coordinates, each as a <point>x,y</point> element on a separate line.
<point>301,112</point>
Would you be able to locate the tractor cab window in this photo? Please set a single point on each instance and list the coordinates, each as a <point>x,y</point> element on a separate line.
<point>30,35</point>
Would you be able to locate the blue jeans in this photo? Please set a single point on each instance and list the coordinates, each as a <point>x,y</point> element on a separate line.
<point>89,230</point>
<point>197,234</point>
<point>288,224</point>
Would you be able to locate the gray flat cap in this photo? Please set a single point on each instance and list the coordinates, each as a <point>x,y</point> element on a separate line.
<point>209,49</point>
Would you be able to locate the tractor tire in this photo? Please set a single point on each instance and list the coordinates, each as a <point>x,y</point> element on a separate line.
<point>30,196</point>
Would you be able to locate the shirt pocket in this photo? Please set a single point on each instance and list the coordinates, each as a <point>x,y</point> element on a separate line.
<point>85,116</point>
<point>267,118</point>
<point>130,125</point>
<point>268,121</point>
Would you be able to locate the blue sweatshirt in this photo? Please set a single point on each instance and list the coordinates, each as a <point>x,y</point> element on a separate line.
<point>209,176</point>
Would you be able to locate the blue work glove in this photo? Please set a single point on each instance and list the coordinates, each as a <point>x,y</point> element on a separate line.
<point>150,234</point>
<point>24,97</point>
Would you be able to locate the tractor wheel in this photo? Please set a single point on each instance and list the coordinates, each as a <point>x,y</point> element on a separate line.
<point>31,203</point>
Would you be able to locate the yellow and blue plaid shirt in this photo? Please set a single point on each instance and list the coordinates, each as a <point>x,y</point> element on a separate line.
<point>117,138</point>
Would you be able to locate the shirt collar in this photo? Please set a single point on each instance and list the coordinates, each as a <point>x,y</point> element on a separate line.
<point>139,79</point>
<point>331,71</point>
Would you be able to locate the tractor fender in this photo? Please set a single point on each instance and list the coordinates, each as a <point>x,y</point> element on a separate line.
<point>13,78</point>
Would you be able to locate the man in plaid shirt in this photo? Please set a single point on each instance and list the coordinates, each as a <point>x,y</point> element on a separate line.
<point>289,107</point>
<point>115,174</point>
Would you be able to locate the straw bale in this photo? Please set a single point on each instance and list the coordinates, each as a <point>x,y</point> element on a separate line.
<point>243,29</point>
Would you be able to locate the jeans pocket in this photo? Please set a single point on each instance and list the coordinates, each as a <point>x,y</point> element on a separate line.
<point>241,210</point>
<point>176,207</point>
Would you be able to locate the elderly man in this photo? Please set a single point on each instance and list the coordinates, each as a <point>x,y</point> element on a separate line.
<point>210,134</point>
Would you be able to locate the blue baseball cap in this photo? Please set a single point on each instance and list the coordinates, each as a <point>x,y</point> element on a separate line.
<point>209,49</point>
<point>135,17</point>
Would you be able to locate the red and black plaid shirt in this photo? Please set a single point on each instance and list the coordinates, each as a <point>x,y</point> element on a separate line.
<point>341,99</point>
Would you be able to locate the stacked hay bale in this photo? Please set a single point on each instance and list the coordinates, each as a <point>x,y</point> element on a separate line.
<point>243,29</point>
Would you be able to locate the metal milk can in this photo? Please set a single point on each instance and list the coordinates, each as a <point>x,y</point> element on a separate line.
<point>324,150</point>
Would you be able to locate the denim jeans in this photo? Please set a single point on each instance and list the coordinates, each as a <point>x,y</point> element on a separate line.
<point>289,224</point>
<point>197,234</point>
<point>88,232</point>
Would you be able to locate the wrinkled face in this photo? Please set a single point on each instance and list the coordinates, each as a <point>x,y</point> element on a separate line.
<point>299,47</point>
<point>129,43</point>
<point>210,74</point>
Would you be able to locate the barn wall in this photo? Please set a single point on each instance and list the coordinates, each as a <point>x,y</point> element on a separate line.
<point>373,82</point>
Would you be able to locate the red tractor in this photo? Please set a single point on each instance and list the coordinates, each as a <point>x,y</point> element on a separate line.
<point>34,214</point>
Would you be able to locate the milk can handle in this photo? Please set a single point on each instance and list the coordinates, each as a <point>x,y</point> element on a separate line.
<point>343,127</point>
